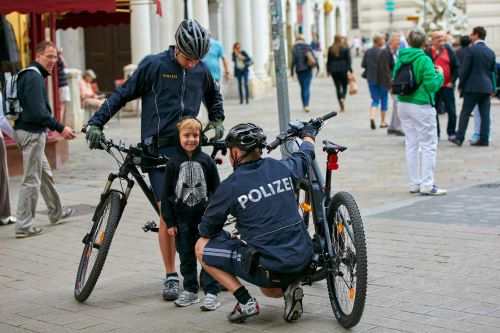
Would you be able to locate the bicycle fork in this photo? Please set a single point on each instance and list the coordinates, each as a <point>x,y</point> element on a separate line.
<point>105,193</point>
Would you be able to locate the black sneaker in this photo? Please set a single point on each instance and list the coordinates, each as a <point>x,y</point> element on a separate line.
<point>293,302</point>
<point>171,289</point>
<point>243,311</point>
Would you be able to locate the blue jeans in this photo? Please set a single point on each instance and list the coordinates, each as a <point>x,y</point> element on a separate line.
<point>242,75</point>
<point>305,78</point>
<point>378,94</point>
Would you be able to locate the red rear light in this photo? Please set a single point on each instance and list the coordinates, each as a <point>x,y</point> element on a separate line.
<point>332,164</point>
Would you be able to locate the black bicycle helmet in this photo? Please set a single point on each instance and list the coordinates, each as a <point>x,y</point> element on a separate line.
<point>247,137</point>
<point>192,40</point>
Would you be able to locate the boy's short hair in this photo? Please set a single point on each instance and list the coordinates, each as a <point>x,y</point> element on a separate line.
<point>189,123</point>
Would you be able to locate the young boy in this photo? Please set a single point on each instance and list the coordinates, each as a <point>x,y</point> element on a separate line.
<point>191,176</point>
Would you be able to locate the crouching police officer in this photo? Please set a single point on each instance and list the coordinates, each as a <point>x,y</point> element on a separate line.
<point>275,247</point>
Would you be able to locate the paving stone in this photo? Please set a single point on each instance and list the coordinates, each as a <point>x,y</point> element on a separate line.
<point>428,258</point>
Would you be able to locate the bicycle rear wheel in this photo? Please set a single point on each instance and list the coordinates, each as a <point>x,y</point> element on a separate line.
<point>96,249</point>
<point>347,280</point>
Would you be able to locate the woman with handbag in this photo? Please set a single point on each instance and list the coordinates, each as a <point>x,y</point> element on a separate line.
<point>241,61</point>
<point>303,62</point>
<point>338,65</point>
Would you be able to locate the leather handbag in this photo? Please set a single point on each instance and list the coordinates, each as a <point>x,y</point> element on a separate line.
<point>311,61</point>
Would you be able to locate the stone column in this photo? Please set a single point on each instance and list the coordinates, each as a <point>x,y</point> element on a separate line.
<point>228,39</point>
<point>261,35</point>
<point>200,12</point>
<point>343,19</point>
<point>229,22</point>
<point>167,29</point>
<point>244,25</point>
<point>261,84</point>
<point>74,112</point>
<point>322,39</point>
<point>330,27</point>
<point>215,17</point>
<point>133,107</point>
<point>307,19</point>
<point>140,30</point>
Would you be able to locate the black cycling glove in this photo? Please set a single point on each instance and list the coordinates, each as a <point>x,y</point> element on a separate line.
<point>308,130</point>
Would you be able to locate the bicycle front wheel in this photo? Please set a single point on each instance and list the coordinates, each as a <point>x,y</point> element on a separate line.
<point>347,280</point>
<point>96,248</point>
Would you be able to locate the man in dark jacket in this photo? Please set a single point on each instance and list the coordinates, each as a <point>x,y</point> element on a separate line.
<point>30,136</point>
<point>386,60</point>
<point>477,82</point>
<point>172,85</point>
<point>443,55</point>
<point>275,246</point>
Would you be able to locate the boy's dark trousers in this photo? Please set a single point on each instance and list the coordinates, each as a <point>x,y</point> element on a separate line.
<point>187,235</point>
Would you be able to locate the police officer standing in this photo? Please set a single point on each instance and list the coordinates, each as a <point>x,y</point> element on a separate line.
<point>275,247</point>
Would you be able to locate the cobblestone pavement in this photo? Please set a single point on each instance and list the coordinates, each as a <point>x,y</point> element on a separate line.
<point>433,262</point>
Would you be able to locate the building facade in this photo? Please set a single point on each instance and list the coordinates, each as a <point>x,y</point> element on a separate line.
<point>366,17</point>
<point>230,21</point>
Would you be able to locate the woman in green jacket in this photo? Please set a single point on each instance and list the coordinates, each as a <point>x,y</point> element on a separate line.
<point>418,116</point>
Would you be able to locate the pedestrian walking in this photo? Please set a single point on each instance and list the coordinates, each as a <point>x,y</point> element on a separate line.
<point>212,60</point>
<point>5,213</point>
<point>30,136</point>
<point>242,61</point>
<point>338,65</point>
<point>418,116</point>
<point>378,93</point>
<point>161,80</point>
<point>191,178</point>
<point>477,84</point>
<point>62,81</point>
<point>442,55</point>
<point>303,62</point>
<point>386,61</point>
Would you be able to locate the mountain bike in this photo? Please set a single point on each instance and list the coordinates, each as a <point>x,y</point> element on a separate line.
<point>335,225</point>
<point>108,212</point>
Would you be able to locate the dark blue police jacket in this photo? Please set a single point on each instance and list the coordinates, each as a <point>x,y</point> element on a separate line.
<point>168,93</point>
<point>260,194</point>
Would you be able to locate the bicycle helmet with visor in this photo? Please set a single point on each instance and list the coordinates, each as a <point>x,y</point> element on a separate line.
<point>192,39</point>
<point>247,137</point>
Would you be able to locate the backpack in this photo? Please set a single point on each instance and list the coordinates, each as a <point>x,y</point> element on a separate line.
<point>404,82</point>
<point>12,106</point>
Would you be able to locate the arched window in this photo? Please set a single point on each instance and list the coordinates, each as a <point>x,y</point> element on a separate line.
<point>354,14</point>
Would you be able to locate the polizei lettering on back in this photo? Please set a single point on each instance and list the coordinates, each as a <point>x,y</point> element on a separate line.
<point>265,191</point>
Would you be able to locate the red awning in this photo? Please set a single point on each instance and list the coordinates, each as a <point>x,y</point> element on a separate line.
<point>56,6</point>
<point>85,20</point>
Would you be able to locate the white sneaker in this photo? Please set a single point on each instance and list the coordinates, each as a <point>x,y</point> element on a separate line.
<point>210,303</point>
<point>293,302</point>
<point>187,298</point>
<point>434,190</point>
<point>414,189</point>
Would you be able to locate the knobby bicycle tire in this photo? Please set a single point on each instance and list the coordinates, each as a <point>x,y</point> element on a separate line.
<point>105,230</point>
<point>348,265</point>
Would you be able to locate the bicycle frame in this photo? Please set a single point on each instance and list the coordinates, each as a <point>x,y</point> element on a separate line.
<point>319,189</point>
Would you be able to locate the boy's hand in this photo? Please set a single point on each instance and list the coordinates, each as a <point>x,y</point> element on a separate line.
<point>172,231</point>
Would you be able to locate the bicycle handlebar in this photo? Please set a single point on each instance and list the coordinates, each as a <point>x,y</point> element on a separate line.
<point>219,145</point>
<point>294,129</point>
